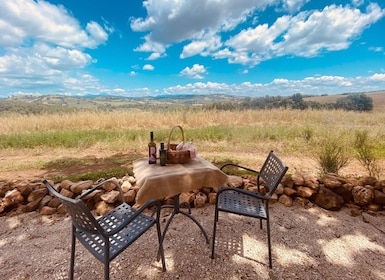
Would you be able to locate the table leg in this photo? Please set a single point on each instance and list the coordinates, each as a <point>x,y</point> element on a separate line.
<point>177,210</point>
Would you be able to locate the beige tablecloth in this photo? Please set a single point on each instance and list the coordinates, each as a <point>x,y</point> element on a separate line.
<point>158,182</point>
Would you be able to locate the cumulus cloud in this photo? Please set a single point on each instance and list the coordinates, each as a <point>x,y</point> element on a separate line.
<point>285,87</point>
<point>306,34</point>
<point>196,72</point>
<point>168,22</point>
<point>41,43</point>
<point>202,26</point>
<point>148,67</point>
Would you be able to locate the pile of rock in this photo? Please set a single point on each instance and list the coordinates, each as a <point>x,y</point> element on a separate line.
<point>330,192</point>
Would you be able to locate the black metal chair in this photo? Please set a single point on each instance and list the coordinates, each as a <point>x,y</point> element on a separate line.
<point>248,203</point>
<point>109,235</point>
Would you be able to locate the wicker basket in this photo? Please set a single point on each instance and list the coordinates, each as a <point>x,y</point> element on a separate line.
<point>174,156</point>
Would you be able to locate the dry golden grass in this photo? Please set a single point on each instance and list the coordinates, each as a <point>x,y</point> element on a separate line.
<point>244,136</point>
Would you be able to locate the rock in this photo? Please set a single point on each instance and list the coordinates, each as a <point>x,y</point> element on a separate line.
<point>200,200</point>
<point>126,186</point>
<point>129,196</point>
<point>46,210</point>
<point>305,203</point>
<point>44,201</point>
<point>187,197</point>
<point>33,205</point>
<point>345,191</point>
<point>379,197</point>
<point>305,192</point>
<point>279,190</point>
<point>362,195</point>
<point>311,181</point>
<point>212,198</point>
<point>66,184</point>
<point>206,190</point>
<point>286,200</point>
<point>12,198</point>
<point>110,197</point>
<point>235,181</point>
<point>328,199</point>
<point>103,208</point>
<point>37,194</point>
<point>67,193</point>
<point>287,181</point>
<point>368,180</point>
<point>4,188</point>
<point>274,198</point>
<point>61,209</point>
<point>24,189</point>
<point>54,203</point>
<point>78,188</point>
<point>298,179</point>
<point>289,191</point>
<point>109,186</point>
<point>332,181</point>
<point>253,188</point>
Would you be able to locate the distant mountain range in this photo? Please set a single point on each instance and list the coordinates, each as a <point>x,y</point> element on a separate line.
<point>38,103</point>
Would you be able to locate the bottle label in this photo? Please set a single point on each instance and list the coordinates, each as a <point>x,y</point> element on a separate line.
<point>152,154</point>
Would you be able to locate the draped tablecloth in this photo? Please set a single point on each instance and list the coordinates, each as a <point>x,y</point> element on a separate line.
<point>158,182</point>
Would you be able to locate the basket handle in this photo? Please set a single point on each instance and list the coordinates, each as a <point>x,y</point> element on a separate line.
<point>169,137</point>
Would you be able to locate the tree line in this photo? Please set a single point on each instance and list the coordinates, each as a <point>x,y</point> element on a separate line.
<point>352,102</point>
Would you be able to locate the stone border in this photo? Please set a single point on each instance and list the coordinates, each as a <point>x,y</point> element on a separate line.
<point>330,192</point>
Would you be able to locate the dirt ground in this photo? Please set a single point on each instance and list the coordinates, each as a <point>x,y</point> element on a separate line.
<point>307,244</point>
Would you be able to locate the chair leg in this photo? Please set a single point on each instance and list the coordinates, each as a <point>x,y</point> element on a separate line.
<point>269,242</point>
<point>72,262</point>
<point>214,232</point>
<point>107,259</point>
<point>160,240</point>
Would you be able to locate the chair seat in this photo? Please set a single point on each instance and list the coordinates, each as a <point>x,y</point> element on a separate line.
<point>120,240</point>
<point>240,203</point>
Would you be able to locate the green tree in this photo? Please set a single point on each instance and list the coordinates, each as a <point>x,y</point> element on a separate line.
<point>355,102</point>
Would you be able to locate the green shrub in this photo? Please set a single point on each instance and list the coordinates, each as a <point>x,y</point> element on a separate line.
<point>365,153</point>
<point>332,154</point>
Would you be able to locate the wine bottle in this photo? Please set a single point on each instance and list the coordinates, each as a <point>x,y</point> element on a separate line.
<point>151,149</point>
<point>162,155</point>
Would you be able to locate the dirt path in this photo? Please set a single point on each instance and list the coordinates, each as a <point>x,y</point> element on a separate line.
<point>307,244</point>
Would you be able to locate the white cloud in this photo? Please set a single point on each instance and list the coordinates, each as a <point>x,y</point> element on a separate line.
<point>280,86</point>
<point>201,26</point>
<point>293,5</point>
<point>168,22</point>
<point>378,77</point>
<point>148,67</point>
<point>42,44</point>
<point>196,72</point>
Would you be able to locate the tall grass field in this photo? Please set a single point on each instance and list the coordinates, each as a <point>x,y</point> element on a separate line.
<point>30,142</point>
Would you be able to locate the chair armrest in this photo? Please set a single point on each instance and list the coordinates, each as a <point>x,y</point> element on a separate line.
<point>98,186</point>
<point>250,193</point>
<point>152,202</point>
<point>239,166</point>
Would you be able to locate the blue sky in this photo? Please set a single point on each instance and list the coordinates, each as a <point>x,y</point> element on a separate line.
<point>142,48</point>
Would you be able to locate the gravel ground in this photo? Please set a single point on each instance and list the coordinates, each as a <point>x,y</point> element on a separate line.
<point>307,244</point>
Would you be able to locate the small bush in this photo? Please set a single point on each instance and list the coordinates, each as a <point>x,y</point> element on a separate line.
<point>365,153</point>
<point>332,155</point>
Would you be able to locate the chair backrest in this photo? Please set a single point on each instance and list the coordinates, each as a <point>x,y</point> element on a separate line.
<point>272,172</point>
<point>81,216</point>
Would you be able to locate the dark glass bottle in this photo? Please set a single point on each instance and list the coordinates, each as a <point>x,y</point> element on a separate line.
<point>162,155</point>
<point>151,149</point>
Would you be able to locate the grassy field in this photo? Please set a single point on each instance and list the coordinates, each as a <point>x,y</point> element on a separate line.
<point>104,140</point>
